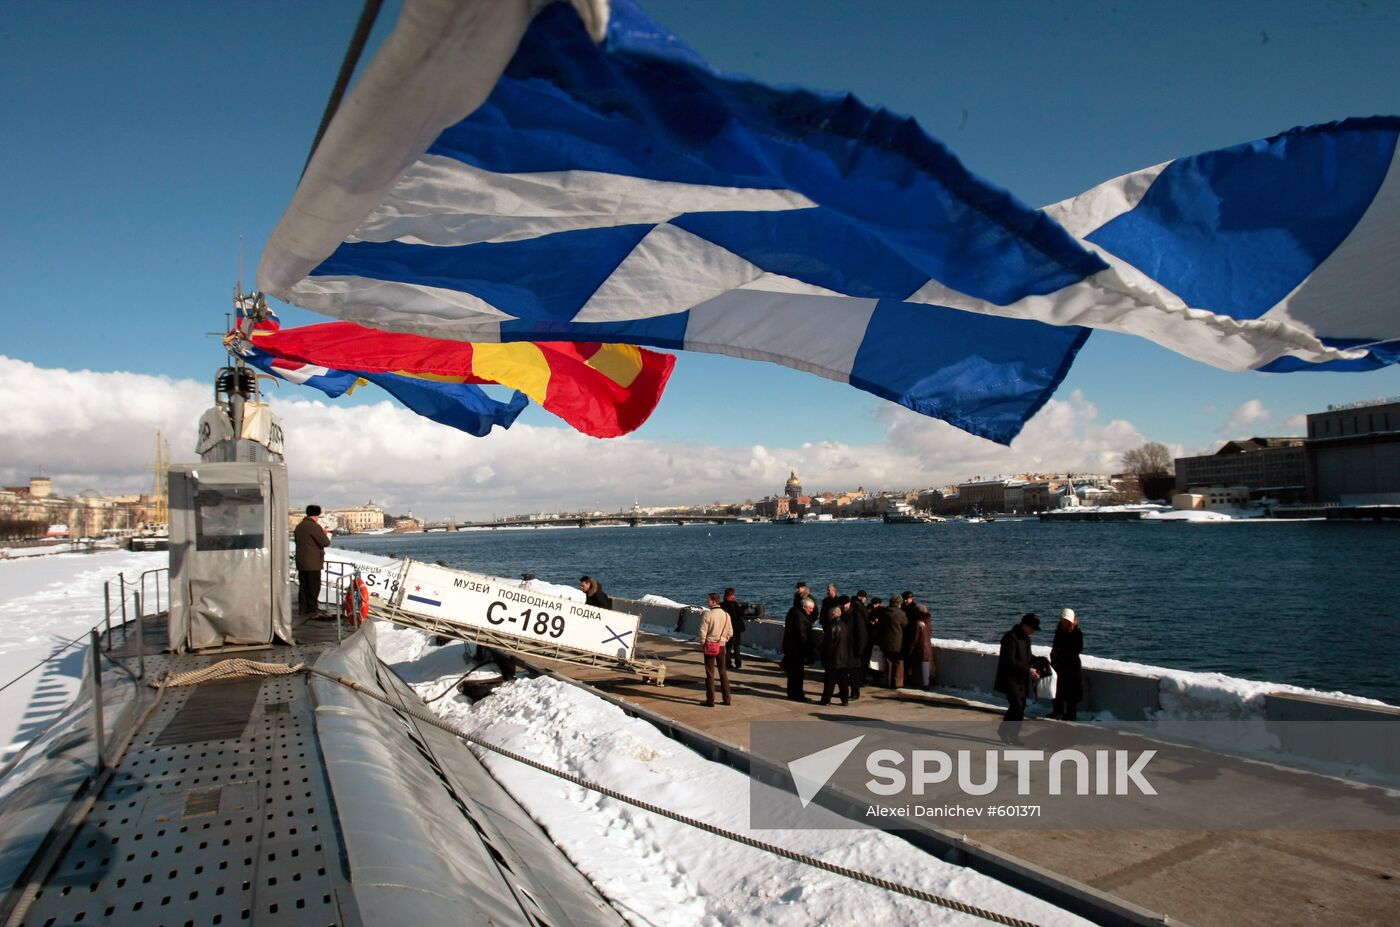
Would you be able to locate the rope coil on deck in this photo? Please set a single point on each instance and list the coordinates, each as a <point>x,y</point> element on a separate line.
<point>855,874</point>
<point>228,669</point>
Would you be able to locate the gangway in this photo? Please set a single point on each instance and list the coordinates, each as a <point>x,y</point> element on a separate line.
<point>507,615</point>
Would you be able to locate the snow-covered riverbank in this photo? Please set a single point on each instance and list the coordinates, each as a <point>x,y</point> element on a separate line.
<point>46,602</point>
<point>661,872</point>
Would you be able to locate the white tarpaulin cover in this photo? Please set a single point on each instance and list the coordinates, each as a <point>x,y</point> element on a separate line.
<point>229,569</point>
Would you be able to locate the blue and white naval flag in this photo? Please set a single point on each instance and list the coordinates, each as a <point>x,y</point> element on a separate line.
<point>1280,254</point>
<point>580,174</point>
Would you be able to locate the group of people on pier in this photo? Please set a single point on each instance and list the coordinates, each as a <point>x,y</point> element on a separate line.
<point>861,640</point>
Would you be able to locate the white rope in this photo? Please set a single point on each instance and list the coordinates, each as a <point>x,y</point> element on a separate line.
<point>230,669</point>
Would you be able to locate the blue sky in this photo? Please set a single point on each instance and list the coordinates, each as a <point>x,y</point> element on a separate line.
<point>142,139</point>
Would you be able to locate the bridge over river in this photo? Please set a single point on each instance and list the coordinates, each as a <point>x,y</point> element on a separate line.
<point>583,521</point>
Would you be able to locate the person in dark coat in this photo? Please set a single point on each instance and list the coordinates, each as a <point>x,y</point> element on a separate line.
<point>876,611</point>
<point>735,609</point>
<point>833,599</point>
<point>919,651</point>
<point>818,628</point>
<point>911,608</point>
<point>593,593</point>
<point>836,655</point>
<point>1064,660</point>
<point>795,646</point>
<point>802,592</point>
<point>892,627</point>
<point>859,619</point>
<point>311,543</point>
<point>1014,674</point>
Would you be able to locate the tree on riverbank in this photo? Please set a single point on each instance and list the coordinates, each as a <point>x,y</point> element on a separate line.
<point>1152,459</point>
<point>1152,464</point>
<point>22,529</point>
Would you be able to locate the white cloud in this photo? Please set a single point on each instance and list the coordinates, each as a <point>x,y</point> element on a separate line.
<point>1297,424</point>
<point>91,429</point>
<point>1065,436</point>
<point>1245,415</point>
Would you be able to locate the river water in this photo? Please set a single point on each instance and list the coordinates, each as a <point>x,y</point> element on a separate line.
<point>1308,603</point>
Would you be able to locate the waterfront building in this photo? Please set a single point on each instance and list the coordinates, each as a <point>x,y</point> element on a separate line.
<point>28,511</point>
<point>865,505</point>
<point>1212,497</point>
<point>358,518</point>
<point>929,500</point>
<point>772,507</point>
<point>1041,495</point>
<point>1353,453</point>
<point>1275,468</point>
<point>22,518</point>
<point>327,521</point>
<point>791,502</point>
<point>1014,496</point>
<point>984,495</point>
<point>1095,494</point>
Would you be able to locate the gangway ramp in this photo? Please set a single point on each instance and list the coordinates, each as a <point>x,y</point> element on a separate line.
<point>507,615</point>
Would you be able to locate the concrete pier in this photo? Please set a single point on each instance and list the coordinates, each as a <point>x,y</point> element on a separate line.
<point>1263,875</point>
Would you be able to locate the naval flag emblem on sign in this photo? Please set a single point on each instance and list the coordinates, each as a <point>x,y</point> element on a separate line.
<point>424,595</point>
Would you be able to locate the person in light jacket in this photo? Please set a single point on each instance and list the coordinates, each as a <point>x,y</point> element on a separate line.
<point>715,628</point>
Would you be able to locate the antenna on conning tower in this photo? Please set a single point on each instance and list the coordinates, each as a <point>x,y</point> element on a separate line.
<point>239,426</point>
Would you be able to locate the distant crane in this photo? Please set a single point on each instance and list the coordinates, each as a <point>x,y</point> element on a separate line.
<point>161,496</point>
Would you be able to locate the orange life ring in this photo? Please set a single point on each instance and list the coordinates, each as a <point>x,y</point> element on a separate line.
<point>349,605</point>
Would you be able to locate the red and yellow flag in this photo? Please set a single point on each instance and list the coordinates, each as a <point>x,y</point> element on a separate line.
<point>603,390</point>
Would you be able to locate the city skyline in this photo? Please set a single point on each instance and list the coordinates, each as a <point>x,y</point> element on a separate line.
<point>860,490</point>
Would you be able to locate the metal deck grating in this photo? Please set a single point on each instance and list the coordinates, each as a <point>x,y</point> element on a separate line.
<point>233,828</point>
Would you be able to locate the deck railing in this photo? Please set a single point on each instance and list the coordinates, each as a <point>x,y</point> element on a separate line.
<point>125,599</point>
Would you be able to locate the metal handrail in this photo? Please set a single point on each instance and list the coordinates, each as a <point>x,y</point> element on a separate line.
<point>154,573</point>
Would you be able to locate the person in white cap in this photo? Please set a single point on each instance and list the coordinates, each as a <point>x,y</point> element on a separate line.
<point>1064,659</point>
